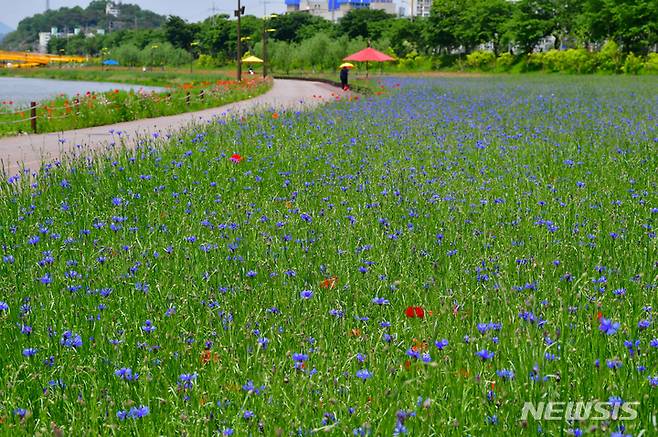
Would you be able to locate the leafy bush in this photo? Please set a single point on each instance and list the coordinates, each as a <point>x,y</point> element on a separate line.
<point>127,54</point>
<point>505,61</point>
<point>651,63</point>
<point>480,60</point>
<point>609,58</point>
<point>568,61</point>
<point>207,61</point>
<point>633,64</point>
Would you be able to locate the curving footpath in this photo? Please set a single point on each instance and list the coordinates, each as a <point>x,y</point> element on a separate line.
<point>29,151</point>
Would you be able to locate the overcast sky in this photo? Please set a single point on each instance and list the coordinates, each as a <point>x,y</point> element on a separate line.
<point>12,11</point>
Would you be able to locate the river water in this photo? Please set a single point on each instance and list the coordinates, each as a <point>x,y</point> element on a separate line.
<point>22,91</point>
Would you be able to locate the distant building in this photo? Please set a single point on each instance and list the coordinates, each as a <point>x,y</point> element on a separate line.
<point>334,10</point>
<point>44,39</point>
<point>111,8</point>
<point>421,8</point>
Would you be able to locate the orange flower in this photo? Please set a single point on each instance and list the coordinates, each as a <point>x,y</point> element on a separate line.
<point>355,332</point>
<point>275,115</point>
<point>419,345</point>
<point>329,283</point>
<point>207,356</point>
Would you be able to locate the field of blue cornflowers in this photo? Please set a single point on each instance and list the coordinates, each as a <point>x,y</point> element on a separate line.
<point>421,262</point>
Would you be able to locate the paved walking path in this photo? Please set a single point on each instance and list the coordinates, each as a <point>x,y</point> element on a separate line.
<point>31,150</point>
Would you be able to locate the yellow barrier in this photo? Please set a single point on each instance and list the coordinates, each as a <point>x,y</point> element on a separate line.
<point>37,58</point>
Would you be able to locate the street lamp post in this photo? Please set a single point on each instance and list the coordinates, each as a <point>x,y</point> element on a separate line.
<point>265,32</point>
<point>238,13</point>
<point>192,46</point>
<point>104,52</point>
<point>153,47</point>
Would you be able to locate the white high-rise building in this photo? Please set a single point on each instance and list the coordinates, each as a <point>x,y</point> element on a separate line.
<point>421,8</point>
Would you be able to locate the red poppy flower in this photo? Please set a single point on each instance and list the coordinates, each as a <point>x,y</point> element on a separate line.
<point>412,312</point>
<point>236,158</point>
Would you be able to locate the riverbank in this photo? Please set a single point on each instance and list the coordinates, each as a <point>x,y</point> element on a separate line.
<point>182,93</point>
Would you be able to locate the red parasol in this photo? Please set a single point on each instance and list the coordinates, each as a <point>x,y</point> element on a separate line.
<point>368,54</point>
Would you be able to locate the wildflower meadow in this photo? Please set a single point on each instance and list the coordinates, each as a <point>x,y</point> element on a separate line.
<point>439,259</point>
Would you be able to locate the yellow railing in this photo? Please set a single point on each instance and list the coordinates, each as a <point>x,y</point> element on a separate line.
<point>35,59</point>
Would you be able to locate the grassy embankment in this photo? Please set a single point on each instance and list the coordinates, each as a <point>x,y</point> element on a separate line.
<point>185,92</point>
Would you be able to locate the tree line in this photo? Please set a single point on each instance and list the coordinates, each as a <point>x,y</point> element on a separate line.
<point>471,32</point>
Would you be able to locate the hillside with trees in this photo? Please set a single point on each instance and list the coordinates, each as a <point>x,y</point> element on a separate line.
<point>93,17</point>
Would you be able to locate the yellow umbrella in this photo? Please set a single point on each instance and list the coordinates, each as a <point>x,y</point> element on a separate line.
<point>252,60</point>
<point>346,65</point>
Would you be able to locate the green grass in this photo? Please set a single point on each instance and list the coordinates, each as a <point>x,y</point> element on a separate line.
<point>480,200</point>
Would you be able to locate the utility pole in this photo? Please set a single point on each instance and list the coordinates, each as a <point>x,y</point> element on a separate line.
<point>238,13</point>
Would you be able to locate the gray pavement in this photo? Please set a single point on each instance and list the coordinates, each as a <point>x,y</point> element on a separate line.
<point>29,151</point>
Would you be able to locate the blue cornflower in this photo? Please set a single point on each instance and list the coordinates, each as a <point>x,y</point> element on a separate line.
<point>608,326</point>
<point>299,357</point>
<point>30,352</point>
<point>336,313</point>
<point>187,380</point>
<point>70,339</point>
<point>126,374</point>
<point>505,374</point>
<point>263,342</point>
<point>440,344</point>
<point>4,306</point>
<point>613,364</point>
<point>615,400</point>
<point>249,387</point>
<point>306,294</point>
<point>653,381</point>
<point>20,412</point>
<point>148,327</point>
<point>247,414</point>
<point>363,374</point>
<point>485,354</point>
<point>133,413</point>
<point>380,301</point>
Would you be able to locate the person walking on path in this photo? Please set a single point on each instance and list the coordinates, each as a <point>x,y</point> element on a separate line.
<point>343,78</point>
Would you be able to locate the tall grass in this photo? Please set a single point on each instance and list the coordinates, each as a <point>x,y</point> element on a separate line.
<point>423,262</point>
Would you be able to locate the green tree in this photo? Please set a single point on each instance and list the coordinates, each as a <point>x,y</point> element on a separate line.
<point>179,33</point>
<point>296,26</point>
<point>360,22</point>
<point>531,21</point>
<point>444,24</point>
